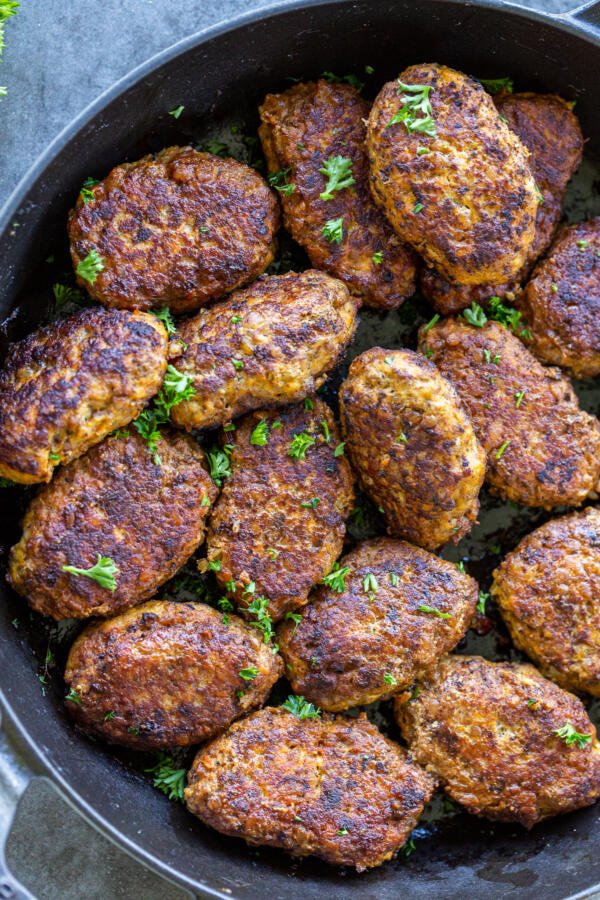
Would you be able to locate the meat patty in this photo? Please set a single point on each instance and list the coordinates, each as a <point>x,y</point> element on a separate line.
<point>451,177</point>
<point>114,502</point>
<point>279,523</point>
<point>549,129</point>
<point>176,229</point>
<point>65,387</point>
<point>547,590</point>
<point>412,445</point>
<point>302,131</point>
<point>331,787</point>
<point>167,675</point>
<point>401,609</point>
<point>561,303</point>
<point>488,731</point>
<point>543,450</point>
<point>270,344</point>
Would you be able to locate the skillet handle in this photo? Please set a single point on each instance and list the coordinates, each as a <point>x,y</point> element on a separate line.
<point>586,15</point>
<point>15,776</point>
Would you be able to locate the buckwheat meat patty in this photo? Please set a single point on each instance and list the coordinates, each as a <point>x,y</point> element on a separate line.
<point>451,177</point>
<point>400,609</point>
<point>65,387</point>
<point>561,303</point>
<point>542,449</point>
<point>268,345</point>
<point>501,739</point>
<point>412,446</point>
<point>115,502</point>
<point>550,130</point>
<point>177,229</point>
<point>167,675</point>
<point>279,523</point>
<point>331,787</point>
<point>547,590</point>
<point>304,130</point>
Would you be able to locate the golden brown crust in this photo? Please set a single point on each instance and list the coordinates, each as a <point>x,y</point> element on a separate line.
<point>176,229</point>
<point>363,645</point>
<point>543,450</point>
<point>270,344</point>
<point>547,590</point>
<point>495,752</point>
<point>412,446</point>
<point>335,788</point>
<point>114,501</point>
<point>475,187</point>
<point>259,529</point>
<point>301,129</point>
<point>561,303</point>
<point>65,387</point>
<point>548,128</point>
<point>167,675</point>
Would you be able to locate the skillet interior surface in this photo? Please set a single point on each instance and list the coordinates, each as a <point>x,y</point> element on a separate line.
<point>220,83</point>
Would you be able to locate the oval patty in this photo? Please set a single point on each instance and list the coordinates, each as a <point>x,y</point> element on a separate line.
<point>467,203</point>
<point>302,130</point>
<point>117,503</point>
<point>270,344</point>
<point>412,446</point>
<point>488,731</point>
<point>542,449</point>
<point>279,523</point>
<point>176,229</point>
<point>167,675</point>
<point>400,609</point>
<point>65,387</point>
<point>335,788</point>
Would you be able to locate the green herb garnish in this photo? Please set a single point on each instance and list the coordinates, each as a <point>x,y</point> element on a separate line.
<point>301,708</point>
<point>90,267</point>
<point>103,572</point>
<point>338,170</point>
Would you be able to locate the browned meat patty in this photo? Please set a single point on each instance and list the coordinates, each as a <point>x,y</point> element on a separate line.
<point>543,450</point>
<point>270,344</point>
<point>114,502</point>
<point>401,609</point>
<point>329,787</point>
<point>279,524</point>
<point>561,303</point>
<point>412,446</point>
<point>177,229</point>
<point>65,387</point>
<point>488,731</point>
<point>547,590</point>
<point>302,131</point>
<point>451,177</point>
<point>549,129</point>
<point>167,675</point>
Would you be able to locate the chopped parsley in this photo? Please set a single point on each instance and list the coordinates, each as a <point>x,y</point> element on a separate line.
<point>177,111</point>
<point>339,450</point>
<point>370,584</point>
<point>296,618</point>
<point>86,192</point>
<point>237,364</point>
<point>217,148</point>
<point>499,452</point>
<point>260,434</point>
<point>401,439</point>
<point>167,777</point>
<point>109,715</point>
<point>310,504</point>
<point>249,673</point>
<point>571,736</point>
<point>475,316</point>
<point>416,113</point>
<point>333,230</point>
<point>165,316</point>
<point>308,404</point>
<point>423,607</point>
<point>336,578</point>
<point>393,579</point>
<point>300,444</point>
<point>301,708</point>
<point>495,85</point>
<point>377,257</point>
<point>235,320</point>
<point>279,181</point>
<point>417,208</point>
<point>259,608</point>
<point>103,572</point>
<point>326,431</point>
<point>481,601</point>
<point>177,387</point>
<point>540,196</point>
<point>74,697</point>
<point>219,465</point>
<point>347,79</point>
<point>389,678</point>
<point>341,832</point>
<point>506,315</point>
<point>430,324</point>
<point>554,287</point>
<point>338,171</point>
<point>519,398</point>
<point>90,267</point>
<point>582,244</point>
<point>65,295</point>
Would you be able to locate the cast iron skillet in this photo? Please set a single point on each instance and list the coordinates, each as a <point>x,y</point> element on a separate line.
<point>220,75</point>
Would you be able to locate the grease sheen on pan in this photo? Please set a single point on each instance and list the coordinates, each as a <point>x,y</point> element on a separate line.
<point>268,345</point>
<point>412,445</point>
<point>542,449</point>
<point>400,610</point>
<point>488,732</point>
<point>301,129</point>
<point>549,129</point>
<point>177,229</point>
<point>279,523</point>
<point>114,501</point>
<point>332,787</point>
<point>69,384</point>
<point>547,590</point>
<point>468,204</point>
<point>167,675</point>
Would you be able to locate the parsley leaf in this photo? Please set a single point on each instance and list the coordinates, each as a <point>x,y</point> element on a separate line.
<point>310,504</point>
<point>333,230</point>
<point>336,578</point>
<point>481,601</point>
<point>279,181</point>
<point>389,678</point>
<point>74,697</point>
<point>177,387</point>
<point>64,295</point>
<point>166,318</point>
<point>177,111</point>
<point>260,434</point>
<point>377,258</point>
<point>347,79</point>
<point>300,444</point>
<point>338,170</point>
<point>103,572</point>
<point>259,608</point>
<point>219,465</point>
<point>248,674</point>
<point>339,450</point>
<point>416,112</point>
<point>423,607</point>
<point>296,618</point>
<point>301,708</point>
<point>495,85</point>
<point>475,315</point>
<point>86,191</point>
<point>167,778</point>
<point>571,736</point>
<point>90,267</point>
<point>370,584</point>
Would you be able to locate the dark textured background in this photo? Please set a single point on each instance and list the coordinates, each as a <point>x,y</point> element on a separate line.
<point>60,54</point>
